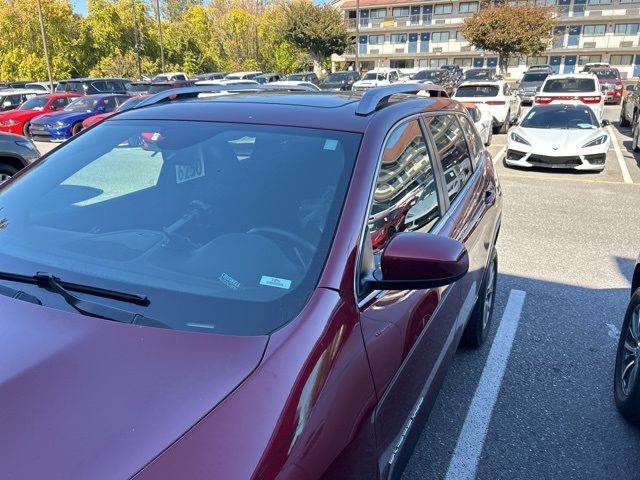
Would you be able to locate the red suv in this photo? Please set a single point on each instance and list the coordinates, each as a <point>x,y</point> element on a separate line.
<point>216,308</point>
<point>610,83</point>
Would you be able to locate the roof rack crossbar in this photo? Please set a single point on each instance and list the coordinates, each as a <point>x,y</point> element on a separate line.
<point>378,97</point>
<point>185,93</point>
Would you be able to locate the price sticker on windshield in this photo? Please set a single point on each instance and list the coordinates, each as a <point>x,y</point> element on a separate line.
<point>185,173</point>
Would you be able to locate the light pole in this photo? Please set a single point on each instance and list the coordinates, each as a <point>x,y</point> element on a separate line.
<point>136,39</point>
<point>44,44</point>
<point>357,67</point>
<point>160,34</point>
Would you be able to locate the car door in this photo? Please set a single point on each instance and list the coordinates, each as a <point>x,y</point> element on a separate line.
<point>405,332</point>
<point>512,100</point>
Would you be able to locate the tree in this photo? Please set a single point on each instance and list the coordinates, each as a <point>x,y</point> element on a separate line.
<point>320,30</point>
<point>510,30</point>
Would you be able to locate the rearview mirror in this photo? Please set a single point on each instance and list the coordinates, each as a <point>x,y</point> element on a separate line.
<point>606,123</point>
<point>414,261</point>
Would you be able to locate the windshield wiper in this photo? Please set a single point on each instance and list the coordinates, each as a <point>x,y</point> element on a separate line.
<point>87,307</point>
<point>19,295</point>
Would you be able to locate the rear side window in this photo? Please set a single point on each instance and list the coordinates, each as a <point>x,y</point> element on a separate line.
<point>405,196</point>
<point>180,77</point>
<point>570,85</point>
<point>476,148</point>
<point>99,86</point>
<point>60,102</point>
<point>477,91</point>
<point>452,149</point>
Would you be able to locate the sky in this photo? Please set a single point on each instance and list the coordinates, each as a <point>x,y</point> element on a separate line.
<point>80,6</point>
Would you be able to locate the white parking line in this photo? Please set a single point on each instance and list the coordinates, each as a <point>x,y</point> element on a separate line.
<point>623,166</point>
<point>464,462</point>
<point>499,154</point>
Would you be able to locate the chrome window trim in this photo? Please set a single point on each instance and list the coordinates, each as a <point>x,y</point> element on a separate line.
<point>437,227</point>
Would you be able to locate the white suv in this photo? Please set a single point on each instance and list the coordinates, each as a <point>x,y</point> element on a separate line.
<point>575,89</point>
<point>377,78</point>
<point>498,96</point>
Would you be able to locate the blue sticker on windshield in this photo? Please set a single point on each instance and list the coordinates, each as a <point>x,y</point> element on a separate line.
<point>275,282</point>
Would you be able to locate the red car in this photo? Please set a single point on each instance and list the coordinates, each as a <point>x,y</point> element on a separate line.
<point>126,105</point>
<point>610,83</point>
<point>18,121</point>
<point>215,308</point>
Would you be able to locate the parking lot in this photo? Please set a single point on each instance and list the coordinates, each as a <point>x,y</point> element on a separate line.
<point>567,250</point>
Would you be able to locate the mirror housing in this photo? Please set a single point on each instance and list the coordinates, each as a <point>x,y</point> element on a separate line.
<point>605,123</point>
<point>415,261</point>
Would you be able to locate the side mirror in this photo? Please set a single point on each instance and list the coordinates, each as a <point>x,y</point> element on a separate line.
<point>414,261</point>
<point>6,104</point>
<point>606,123</point>
<point>630,88</point>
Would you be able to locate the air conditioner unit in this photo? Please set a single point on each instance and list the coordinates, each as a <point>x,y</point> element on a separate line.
<point>626,44</point>
<point>595,13</point>
<point>633,12</point>
<point>399,50</point>
<point>465,49</point>
<point>440,22</point>
<point>437,50</point>
<point>374,51</point>
<point>589,45</point>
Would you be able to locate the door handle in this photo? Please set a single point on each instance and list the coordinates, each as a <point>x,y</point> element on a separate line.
<point>490,197</point>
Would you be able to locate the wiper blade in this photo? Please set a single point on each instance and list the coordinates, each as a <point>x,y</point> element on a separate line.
<point>19,295</point>
<point>42,279</point>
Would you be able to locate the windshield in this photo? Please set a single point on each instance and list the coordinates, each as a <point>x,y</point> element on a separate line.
<point>373,76</point>
<point>224,227</point>
<point>534,77</point>
<point>565,117</point>
<point>35,103</point>
<point>477,91</point>
<point>476,75</point>
<point>428,75</point>
<point>336,78</point>
<point>569,85</point>
<point>82,103</point>
<point>613,74</point>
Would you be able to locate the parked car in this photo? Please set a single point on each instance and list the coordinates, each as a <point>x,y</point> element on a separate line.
<point>626,384</point>
<point>123,107</point>
<point>530,84</point>
<point>576,89</point>
<point>438,76</point>
<point>482,119</point>
<point>138,87</point>
<point>156,87</point>
<point>292,83</point>
<point>170,77</point>
<point>339,81</point>
<point>269,77</point>
<point>242,75</point>
<point>93,86</point>
<point>18,121</point>
<point>16,152</point>
<point>44,87</point>
<point>588,66</point>
<point>454,70</point>
<point>60,126</point>
<point>377,78</point>
<point>304,77</point>
<point>284,316</point>
<point>559,136</point>
<point>610,83</point>
<point>21,84</point>
<point>478,74</point>
<point>11,99</point>
<point>210,76</point>
<point>635,134</point>
<point>498,96</point>
<point>630,105</point>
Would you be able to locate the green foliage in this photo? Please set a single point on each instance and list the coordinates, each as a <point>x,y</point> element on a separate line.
<point>510,30</point>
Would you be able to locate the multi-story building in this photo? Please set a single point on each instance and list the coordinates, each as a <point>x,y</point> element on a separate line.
<point>414,34</point>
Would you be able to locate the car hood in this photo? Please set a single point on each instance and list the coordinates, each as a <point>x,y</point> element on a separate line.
<point>69,117</point>
<point>19,115</point>
<point>556,141</point>
<point>90,398</point>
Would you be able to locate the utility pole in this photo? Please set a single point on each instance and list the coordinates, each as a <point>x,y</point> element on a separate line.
<point>160,34</point>
<point>44,44</point>
<point>136,36</point>
<point>357,67</point>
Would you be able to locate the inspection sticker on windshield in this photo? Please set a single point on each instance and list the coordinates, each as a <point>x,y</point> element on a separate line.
<point>330,144</point>
<point>184,173</point>
<point>275,282</point>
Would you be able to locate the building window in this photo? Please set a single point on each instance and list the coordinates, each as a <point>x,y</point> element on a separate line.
<point>599,2</point>
<point>621,60</point>
<point>443,9</point>
<point>398,38</point>
<point>584,59</point>
<point>376,39</point>
<point>463,62</point>
<point>548,3</point>
<point>437,37</point>
<point>629,1</point>
<point>401,63</point>
<point>437,62</point>
<point>468,7</point>
<point>351,14</point>
<point>536,60</point>
<point>594,30</point>
<point>378,13</point>
<point>626,29</point>
<point>367,65</point>
<point>400,11</point>
<point>460,37</point>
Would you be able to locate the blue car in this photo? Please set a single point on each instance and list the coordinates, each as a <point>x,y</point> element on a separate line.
<point>59,126</point>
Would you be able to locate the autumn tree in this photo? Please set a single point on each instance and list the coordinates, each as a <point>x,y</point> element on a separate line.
<point>320,30</point>
<point>510,30</point>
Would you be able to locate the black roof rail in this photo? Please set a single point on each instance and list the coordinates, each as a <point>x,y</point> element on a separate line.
<point>379,96</point>
<point>185,93</point>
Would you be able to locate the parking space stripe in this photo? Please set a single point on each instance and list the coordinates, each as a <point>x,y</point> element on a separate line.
<point>623,166</point>
<point>464,462</point>
<point>499,154</point>
<point>564,179</point>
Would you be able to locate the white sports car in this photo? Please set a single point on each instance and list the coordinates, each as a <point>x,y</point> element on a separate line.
<point>559,136</point>
<point>482,119</point>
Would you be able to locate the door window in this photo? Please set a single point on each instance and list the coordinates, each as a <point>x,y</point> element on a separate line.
<point>476,148</point>
<point>59,103</point>
<point>453,151</point>
<point>405,196</point>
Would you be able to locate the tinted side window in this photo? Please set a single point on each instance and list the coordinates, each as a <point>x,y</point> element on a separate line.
<point>405,196</point>
<point>60,102</point>
<point>453,151</point>
<point>476,148</point>
<point>180,77</point>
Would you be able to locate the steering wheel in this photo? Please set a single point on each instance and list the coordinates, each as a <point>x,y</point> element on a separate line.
<point>298,240</point>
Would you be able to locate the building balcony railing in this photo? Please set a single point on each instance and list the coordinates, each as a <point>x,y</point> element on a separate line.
<point>577,12</point>
<point>387,49</point>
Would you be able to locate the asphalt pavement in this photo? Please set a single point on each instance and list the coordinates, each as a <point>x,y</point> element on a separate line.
<point>544,408</point>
